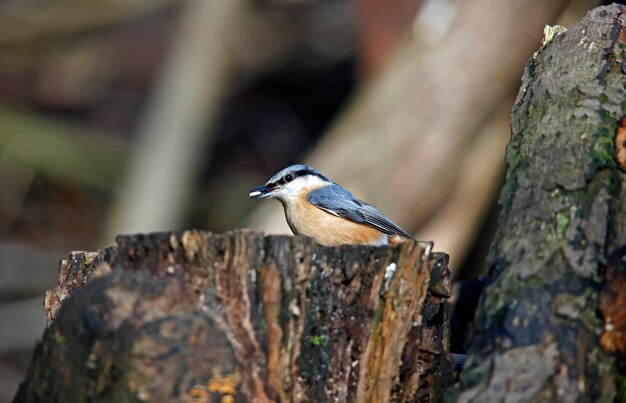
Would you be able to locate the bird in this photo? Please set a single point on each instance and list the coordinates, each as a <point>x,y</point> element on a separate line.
<point>319,208</point>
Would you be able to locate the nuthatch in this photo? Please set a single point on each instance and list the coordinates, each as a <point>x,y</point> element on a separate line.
<point>317,207</point>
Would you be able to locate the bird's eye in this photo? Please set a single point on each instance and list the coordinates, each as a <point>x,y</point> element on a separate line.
<point>289,177</point>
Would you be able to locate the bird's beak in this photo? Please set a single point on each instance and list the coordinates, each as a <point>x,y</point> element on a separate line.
<point>261,192</point>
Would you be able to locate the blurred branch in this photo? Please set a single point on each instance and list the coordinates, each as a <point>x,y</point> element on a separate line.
<point>479,174</point>
<point>15,182</point>
<point>174,130</point>
<point>24,23</point>
<point>27,320</point>
<point>382,27</point>
<point>9,382</point>
<point>26,271</point>
<point>61,149</point>
<point>399,143</point>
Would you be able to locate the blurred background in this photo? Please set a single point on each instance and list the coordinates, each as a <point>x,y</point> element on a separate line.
<point>145,115</point>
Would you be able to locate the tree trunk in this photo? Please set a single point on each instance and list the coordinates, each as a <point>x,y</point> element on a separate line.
<point>178,317</point>
<point>563,210</point>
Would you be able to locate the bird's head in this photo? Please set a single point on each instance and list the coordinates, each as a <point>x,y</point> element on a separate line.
<point>289,183</point>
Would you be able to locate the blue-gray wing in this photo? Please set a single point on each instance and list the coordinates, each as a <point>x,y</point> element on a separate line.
<point>337,201</point>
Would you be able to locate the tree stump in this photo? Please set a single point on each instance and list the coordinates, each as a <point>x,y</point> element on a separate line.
<point>563,211</point>
<point>195,316</point>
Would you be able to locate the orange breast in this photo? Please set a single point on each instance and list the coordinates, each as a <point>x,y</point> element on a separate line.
<point>326,229</point>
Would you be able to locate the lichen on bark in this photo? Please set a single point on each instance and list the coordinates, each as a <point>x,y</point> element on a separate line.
<point>563,209</point>
<point>196,315</point>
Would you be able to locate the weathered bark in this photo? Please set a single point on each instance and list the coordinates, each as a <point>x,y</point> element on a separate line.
<point>187,100</point>
<point>612,308</point>
<point>170,317</point>
<point>563,210</point>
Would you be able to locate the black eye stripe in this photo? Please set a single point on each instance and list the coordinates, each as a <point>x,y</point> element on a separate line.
<point>294,174</point>
<point>301,172</point>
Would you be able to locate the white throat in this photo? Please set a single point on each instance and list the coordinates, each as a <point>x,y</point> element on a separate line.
<point>291,191</point>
